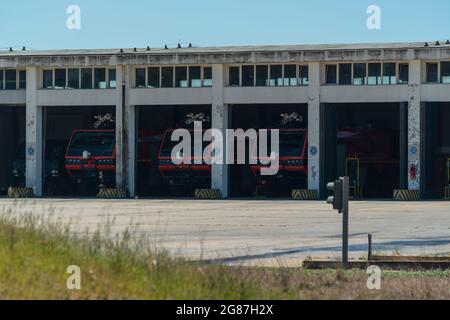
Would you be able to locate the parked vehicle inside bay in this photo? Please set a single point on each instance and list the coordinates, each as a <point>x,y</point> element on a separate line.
<point>90,159</point>
<point>292,158</point>
<point>186,174</point>
<point>54,171</point>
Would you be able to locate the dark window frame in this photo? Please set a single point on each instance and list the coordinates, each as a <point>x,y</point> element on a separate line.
<point>71,84</point>
<point>100,77</point>
<point>165,83</point>
<point>432,77</point>
<point>345,74</point>
<point>140,78</point>
<point>357,75</point>
<point>47,75</point>
<point>401,79</point>
<point>248,78</point>
<point>83,73</point>
<point>331,74</point>
<point>22,82</point>
<point>58,72</point>
<point>207,80</point>
<point>234,76</point>
<point>152,81</point>
<point>11,84</point>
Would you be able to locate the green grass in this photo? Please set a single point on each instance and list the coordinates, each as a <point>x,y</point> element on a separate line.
<point>35,254</point>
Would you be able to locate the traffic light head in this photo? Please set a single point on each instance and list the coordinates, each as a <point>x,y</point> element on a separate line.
<point>337,199</point>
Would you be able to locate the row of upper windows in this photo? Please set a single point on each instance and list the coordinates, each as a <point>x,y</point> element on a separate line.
<point>268,75</point>
<point>76,78</point>
<point>170,77</point>
<point>366,73</point>
<point>243,75</point>
<point>12,79</point>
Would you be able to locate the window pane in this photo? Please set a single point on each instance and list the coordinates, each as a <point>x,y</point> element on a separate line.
<point>112,78</point>
<point>374,73</point>
<point>140,78</point>
<point>290,75</point>
<point>331,74</point>
<point>86,78</point>
<point>47,79</point>
<point>181,80</point>
<point>1,79</point>
<point>276,75</point>
<point>345,74</point>
<point>10,79</point>
<point>304,75</point>
<point>100,78</point>
<point>153,77</point>
<point>389,73</point>
<point>22,79</point>
<point>60,78</point>
<point>262,75</point>
<point>403,73</point>
<point>248,76</point>
<point>432,72</point>
<point>207,77</point>
<point>195,77</point>
<point>359,73</point>
<point>73,78</point>
<point>167,77</point>
<point>445,72</point>
<point>234,76</point>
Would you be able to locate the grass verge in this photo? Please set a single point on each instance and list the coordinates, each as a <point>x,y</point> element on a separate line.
<point>35,254</point>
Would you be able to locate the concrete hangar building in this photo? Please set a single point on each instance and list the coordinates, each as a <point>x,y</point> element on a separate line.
<point>377,112</point>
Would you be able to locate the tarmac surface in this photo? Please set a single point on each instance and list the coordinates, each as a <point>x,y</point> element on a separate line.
<point>256,232</point>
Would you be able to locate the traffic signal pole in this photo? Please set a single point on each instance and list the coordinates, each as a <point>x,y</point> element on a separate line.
<point>345,211</point>
<point>340,202</point>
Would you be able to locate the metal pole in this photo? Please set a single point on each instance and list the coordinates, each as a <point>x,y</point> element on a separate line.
<point>369,254</point>
<point>345,222</point>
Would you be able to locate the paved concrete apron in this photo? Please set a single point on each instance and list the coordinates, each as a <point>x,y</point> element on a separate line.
<point>259,232</point>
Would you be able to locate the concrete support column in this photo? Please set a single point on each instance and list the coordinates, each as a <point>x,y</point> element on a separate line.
<point>34,136</point>
<point>219,114</point>
<point>121,134</point>
<point>414,124</point>
<point>129,133</point>
<point>314,151</point>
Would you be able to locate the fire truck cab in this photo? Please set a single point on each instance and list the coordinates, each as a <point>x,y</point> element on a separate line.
<point>293,159</point>
<point>91,158</point>
<point>192,174</point>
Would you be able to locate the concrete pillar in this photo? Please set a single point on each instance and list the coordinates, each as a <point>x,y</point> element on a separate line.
<point>121,134</point>
<point>129,133</point>
<point>414,124</point>
<point>34,137</point>
<point>219,114</point>
<point>314,127</point>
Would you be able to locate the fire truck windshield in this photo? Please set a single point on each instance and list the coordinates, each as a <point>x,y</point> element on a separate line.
<point>292,143</point>
<point>168,145</point>
<point>100,144</point>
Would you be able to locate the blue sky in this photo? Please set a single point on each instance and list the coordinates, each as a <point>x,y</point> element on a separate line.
<point>138,23</point>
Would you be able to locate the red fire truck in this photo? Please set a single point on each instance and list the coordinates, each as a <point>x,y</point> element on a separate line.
<point>193,174</point>
<point>91,157</point>
<point>293,158</point>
